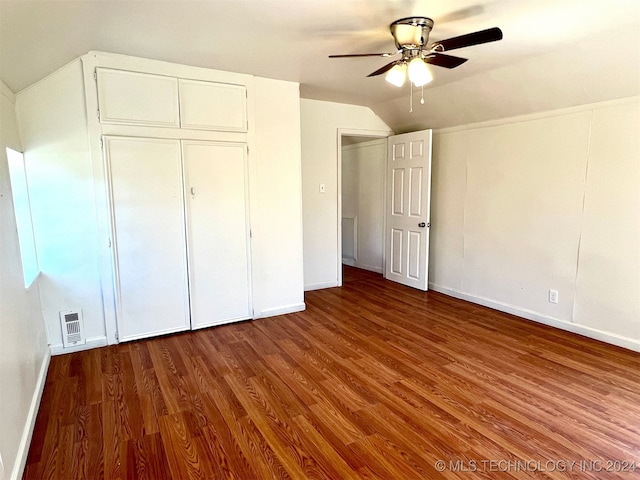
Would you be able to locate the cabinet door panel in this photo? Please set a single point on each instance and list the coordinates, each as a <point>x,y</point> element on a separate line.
<point>217,231</point>
<point>137,98</point>
<point>213,106</point>
<point>149,238</point>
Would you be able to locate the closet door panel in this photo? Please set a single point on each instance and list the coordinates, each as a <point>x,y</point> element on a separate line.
<point>137,98</point>
<point>217,229</point>
<point>149,239</point>
<point>213,106</point>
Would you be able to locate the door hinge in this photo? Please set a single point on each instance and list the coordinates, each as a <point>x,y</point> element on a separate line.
<point>98,113</point>
<point>117,337</point>
<point>95,75</point>
<point>101,144</point>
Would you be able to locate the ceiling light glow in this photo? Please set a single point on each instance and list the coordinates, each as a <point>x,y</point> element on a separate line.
<point>419,73</point>
<point>397,75</point>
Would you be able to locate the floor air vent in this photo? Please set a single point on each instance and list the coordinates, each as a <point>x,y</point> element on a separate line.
<point>72,328</point>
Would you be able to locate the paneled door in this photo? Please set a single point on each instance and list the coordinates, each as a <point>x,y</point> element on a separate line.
<point>217,232</point>
<point>407,208</point>
<point>147,209</point>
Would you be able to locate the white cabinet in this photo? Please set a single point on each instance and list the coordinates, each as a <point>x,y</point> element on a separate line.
<point>217,232</point>
<point>147,211</point>
<point>132,98</point>
<point>179,208</point>
<point>137,98</point>
<point>213,106</point>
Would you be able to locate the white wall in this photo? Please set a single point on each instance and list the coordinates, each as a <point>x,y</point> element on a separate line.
<point>276,199</point>
<point>52,119</point>
<point>24,355</point>
<point>550,201</point>
<point>320,122</point>
<point>363,169</point>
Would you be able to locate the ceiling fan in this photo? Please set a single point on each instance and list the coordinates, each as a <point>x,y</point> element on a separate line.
<point>411,36</point>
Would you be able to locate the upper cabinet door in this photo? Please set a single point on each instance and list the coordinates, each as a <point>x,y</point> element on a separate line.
<point>213,106</point>
<point>137,98</point>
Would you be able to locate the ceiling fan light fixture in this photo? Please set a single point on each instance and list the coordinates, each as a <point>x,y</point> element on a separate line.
<point>419,73</point>
<point>397,75</point>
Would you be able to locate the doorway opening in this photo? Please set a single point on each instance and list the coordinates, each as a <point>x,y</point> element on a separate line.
<point>361,203</point>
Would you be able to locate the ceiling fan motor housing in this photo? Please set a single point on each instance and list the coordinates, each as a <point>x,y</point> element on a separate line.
<point>411,33</point>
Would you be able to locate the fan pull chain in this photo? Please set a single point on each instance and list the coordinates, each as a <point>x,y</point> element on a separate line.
<point>422,96</point>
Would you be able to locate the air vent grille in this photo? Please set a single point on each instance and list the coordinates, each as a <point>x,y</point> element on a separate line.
<point>72,328</point>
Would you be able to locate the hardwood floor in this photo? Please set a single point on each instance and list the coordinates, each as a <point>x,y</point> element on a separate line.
<point>373,380</point>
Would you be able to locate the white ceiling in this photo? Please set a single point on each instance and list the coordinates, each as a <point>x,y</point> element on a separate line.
<point>555,53</point>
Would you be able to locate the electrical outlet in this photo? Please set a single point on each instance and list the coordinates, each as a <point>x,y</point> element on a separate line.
<point>553,296</point>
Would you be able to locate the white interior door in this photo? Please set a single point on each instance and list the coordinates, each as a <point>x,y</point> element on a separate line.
<point>407,208</point>
<point>217,232</point>
<point>147,207</point>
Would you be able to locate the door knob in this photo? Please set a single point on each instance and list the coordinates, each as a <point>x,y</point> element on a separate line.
<point>422,224</point>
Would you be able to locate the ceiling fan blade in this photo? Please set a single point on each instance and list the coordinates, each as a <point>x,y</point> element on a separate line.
<point>365,55</point>
<point>476,38</point>
<point>384,69</point>
<point>442,60</point>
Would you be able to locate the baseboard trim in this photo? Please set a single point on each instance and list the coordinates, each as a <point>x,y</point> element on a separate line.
<point>607,337</point>
<point>320,286</point>
<point>94,342</point>
<point>349,261</point>
<point>369,268</point>
<point>272,312</point>
<point>27,434</point>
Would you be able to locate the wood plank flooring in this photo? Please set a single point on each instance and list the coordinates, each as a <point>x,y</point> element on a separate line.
<point>373,380</point>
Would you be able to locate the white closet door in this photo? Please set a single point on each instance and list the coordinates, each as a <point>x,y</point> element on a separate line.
<point>217,231</point>
<point>149,239</point>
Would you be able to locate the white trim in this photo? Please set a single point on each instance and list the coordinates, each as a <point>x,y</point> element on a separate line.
<point>607,337</point>
<point>27,433</point>
<point>272,312</point>
<point>540,115</point>
<point>117,130</point>
<point>6,91</point>
<point>131,63</point>
<point>53,74</point>
<point>94,342</point>
<point>102,202</point>
<point>319,286</point>
<point>220,323</point>
<point>370,143</point>
<point>370,268</point>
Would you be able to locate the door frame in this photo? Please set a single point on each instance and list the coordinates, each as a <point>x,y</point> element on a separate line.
<point>350,132</point>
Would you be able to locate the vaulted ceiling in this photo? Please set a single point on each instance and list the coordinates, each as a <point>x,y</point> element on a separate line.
<point>555,53</point>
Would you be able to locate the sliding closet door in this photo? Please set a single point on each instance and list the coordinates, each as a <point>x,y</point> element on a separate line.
<point>147,210</point>
<point>217,232</point>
